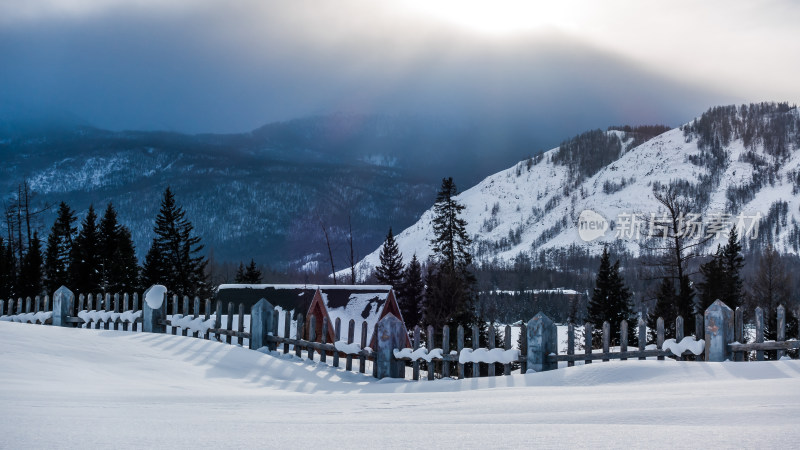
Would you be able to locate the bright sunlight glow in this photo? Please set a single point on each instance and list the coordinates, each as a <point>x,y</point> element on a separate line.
<point>496,17</point>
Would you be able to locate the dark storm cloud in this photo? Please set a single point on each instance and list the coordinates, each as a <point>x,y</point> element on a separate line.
<point>220,67</point>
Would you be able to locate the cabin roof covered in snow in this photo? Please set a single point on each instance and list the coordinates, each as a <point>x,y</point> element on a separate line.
<point>357,303</point>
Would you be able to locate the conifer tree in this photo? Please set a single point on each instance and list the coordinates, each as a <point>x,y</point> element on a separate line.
<point>84,265</point>
<point>410,293</point>
<point>31,270</point>
<point>390,271</point>
<point>125,273</point>
<point>117,264</point>
<point>451,244</point>
<point>153,270</point>
<point>665,308</point>
<point>175,254</point>
<point>108,237</point>
<point>59,249</point>
<point>252,274</point>
<point>610,300</point>
<point>712,286</point>
<point>450,293</point>
<point>732,264</point>
<point>239,279</point>
<point>248,275</point>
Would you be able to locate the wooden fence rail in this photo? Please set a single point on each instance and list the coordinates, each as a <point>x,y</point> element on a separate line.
<point>719,335</point>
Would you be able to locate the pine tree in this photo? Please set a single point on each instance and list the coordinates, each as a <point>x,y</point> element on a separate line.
<point>176,259</point>
<point>239,279</point>
<point>249,274</point>
<point>153,270</point>
<point>390,272</point>
<point>118,267</point>
<point>597,310</point>
<point>31,271</point>
<point>732,264</point>
<point>714,277</point>
<point>59,248</point>
<point>410,293</point>
<point>450,293</point>
<point>451,244</point>
<point>108,237</point>
<point>125,272</point>
<point>84,265</point>
<point>252,274</point>
<point>665,308</point>
<point>610,300</point>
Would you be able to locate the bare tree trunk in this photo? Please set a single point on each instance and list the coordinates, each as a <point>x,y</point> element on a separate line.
<point>352,254</point>
<point>330,253</point>
<point>26,191</point>
<point>20,248</point>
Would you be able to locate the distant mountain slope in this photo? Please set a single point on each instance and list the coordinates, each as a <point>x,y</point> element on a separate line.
<point>260,194</point>
<point>736,160</point>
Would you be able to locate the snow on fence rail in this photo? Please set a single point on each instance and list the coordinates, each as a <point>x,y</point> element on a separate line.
<point>266,328</point>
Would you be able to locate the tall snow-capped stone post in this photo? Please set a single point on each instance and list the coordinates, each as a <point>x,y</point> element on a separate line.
<point>391,335</point>
<point>62,299</point>
<point>542,341</point>
<point>260,323</point>
<point>718,321</point>
<point>153,307</point>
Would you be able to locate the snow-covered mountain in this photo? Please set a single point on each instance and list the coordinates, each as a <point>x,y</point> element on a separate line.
<point>743,161</point>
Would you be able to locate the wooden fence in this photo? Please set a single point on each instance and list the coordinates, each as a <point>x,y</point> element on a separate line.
<point>721,328</point>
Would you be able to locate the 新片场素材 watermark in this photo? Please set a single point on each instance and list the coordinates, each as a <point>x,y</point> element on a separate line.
<point>634,226</point>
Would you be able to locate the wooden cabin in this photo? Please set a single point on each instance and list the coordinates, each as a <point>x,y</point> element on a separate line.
<point>361,303</point>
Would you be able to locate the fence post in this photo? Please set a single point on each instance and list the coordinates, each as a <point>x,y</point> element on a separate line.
<point>781,331</point>
<point>570,342</point>
<point>459,347</point>
<point>642,335</point>
<point>542,341</point>
<point>260,324</point>
<point>446,351</point>
<point>699,326</point>
<point>660,335</point>
<point>623,338</point>
<point>415,362</point>
<point>490,346</point>
<point>738,331</point>
<point>718,322</point>
<point>429,346</point>
<point>390,336</point>
<point>61,301</point>
<point>587,346</point>
<point>153,305</point>
<point>759,332</point>
<point>678,334</point>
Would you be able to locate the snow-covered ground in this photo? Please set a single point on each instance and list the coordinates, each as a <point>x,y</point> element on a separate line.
<point>78,388</point>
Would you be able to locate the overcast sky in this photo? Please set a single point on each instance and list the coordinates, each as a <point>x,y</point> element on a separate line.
<point>228,66</point>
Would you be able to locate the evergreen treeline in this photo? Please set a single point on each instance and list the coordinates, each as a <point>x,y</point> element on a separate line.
<point>98,255</point>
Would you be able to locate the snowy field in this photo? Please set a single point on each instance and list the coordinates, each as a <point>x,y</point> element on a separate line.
<point>78,388</point>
